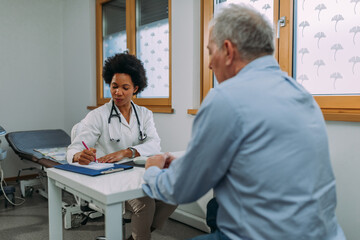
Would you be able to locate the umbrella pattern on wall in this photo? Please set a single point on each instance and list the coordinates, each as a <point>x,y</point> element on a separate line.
<point>354,60</point>
<point>319,8</point>
<point>113,44</point>
<point>336,47</point>
<point>153,49</point>
<point>303,78</point>
<point>303,25</point>
<point>335,76</point>
<point>337,18</point>
<point>319,36</point>
<point>318,63</point>
<point>354,30</point>
<point>328,46</point>
<point>303,51</point>
<point>356,2</point>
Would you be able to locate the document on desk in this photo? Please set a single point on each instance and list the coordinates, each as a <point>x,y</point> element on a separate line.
<point>95,165</point>
<point>57,153</point>
<point>94,169</point>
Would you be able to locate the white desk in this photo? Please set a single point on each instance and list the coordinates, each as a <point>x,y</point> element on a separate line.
<point>107,192</point>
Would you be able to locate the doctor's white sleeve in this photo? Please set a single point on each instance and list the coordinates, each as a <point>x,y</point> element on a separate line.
<point>151,145</point>
<point>89,132</point>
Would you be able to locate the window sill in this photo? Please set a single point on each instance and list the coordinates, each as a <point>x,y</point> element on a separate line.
<point>192,111</point>
<point>154,109</point>
<point>346,115</point>
<point>160,109</point>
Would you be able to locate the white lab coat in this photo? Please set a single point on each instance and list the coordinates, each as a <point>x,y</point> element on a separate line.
<point>94,131</point>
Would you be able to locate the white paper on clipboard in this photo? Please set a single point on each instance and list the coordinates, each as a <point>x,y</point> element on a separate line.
<point>95,166</point>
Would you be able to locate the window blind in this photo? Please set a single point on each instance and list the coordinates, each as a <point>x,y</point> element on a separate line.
<point>152,11</point>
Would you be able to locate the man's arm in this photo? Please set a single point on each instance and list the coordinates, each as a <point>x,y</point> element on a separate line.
<point>206,160</point>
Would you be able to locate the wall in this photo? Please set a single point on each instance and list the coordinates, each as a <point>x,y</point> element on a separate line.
<point>31,80</point>
<point>79,59</point>
<point>54,43</point>
<point>344,140</point>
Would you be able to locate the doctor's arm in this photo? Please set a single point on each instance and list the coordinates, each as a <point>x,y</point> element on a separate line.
<point>85,157</point>
<point>88,131</point>
<point>118,156</point>
<point>151,145</point>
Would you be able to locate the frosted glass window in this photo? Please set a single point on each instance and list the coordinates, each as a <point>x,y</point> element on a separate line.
<point>152,46</point>
<point>327,46</point>
<point>266,7</point>
<point>114,32</point>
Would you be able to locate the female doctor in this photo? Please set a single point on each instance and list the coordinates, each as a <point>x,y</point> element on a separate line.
<point>120,129</point>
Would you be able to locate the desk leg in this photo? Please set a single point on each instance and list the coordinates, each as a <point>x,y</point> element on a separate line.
<point>113,222</point>
<point>55,220</point>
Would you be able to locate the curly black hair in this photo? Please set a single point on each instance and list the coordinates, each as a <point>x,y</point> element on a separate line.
<point>125,63</point>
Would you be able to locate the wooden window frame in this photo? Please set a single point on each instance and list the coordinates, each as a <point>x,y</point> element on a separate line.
<point>334,108</point>
<point>206,74</point>
<point>161,105</point>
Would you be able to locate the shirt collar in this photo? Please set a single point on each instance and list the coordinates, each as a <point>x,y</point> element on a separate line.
<point>264,62</point>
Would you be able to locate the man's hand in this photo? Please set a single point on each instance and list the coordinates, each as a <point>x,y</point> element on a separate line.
<point>161,161</point>
<point>85,156</point>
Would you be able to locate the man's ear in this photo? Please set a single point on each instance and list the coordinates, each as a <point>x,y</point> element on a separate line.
<point>229,50</point>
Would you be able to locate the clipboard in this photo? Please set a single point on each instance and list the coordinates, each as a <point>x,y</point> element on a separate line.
<point>93,172</point>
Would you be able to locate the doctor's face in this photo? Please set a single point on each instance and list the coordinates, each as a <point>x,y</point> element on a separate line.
<point>122,89</point>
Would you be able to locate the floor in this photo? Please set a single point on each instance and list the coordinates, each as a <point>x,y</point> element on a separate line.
<point>30,221</point>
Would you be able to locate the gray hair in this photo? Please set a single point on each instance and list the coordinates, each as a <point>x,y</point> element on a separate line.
<point>246,28</point>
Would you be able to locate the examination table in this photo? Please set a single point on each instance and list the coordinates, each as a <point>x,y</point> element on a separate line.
<point>23,143</point>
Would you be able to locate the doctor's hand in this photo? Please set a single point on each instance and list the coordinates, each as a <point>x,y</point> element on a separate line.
<point>85,157</point>
<point>113,157</point>
<point>161,161</point>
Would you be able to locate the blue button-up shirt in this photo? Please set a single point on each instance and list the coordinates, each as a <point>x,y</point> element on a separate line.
<point>259,140</point>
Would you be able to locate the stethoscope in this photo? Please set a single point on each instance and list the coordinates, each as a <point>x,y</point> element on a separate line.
<point>142,136</point>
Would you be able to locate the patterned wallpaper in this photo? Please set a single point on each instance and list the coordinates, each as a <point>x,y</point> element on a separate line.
<point>328,46</point>
<point>152,48</point>
<point>265,7</point>
<point>112,44</point>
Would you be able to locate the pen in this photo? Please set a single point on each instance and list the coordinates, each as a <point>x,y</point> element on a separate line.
<point>87,148</point>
